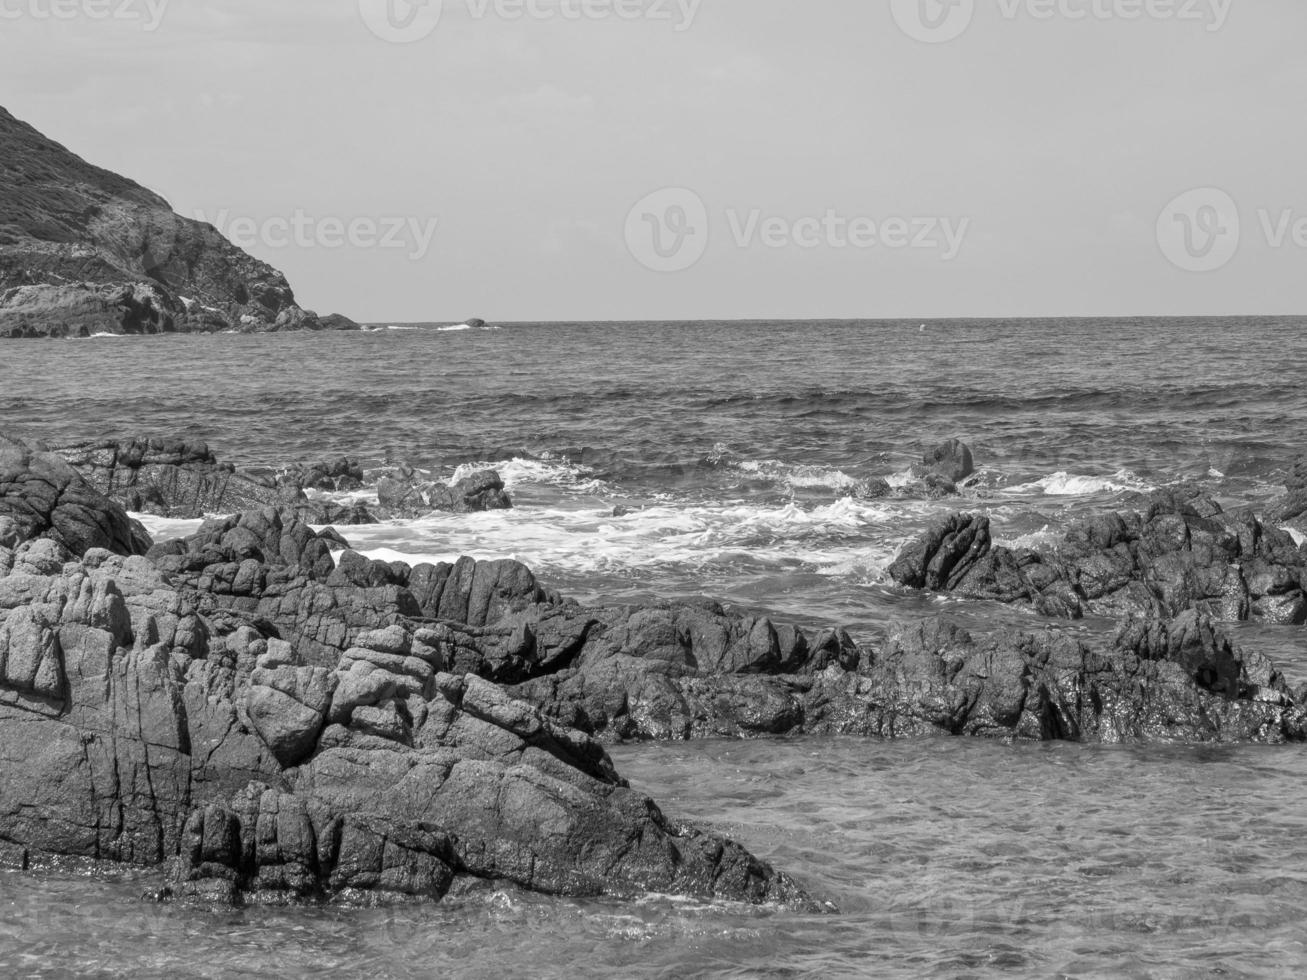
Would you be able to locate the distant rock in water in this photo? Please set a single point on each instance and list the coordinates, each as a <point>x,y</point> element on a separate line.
<point>475,323</point>
<point>951,461</point>
<point>84,251</point>
<point>1184,552</point>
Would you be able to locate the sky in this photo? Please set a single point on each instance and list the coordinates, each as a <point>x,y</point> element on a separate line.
<point>532,160</point>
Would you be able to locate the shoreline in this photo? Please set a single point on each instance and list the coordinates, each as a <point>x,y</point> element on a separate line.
<point>323,672</point>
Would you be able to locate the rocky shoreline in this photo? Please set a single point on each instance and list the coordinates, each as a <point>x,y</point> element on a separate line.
<point>274,719</point>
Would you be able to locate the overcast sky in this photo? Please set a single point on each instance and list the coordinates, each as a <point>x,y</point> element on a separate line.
<point>830,158</point>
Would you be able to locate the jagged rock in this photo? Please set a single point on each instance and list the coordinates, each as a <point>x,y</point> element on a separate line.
<point>403,496</point>
<point>342,473</point>
<point>1184,552</point>
<point>1157,680</point>
<point>85,251</point>
<point>134,728</point>
<point>42,496</point>
<point>170,477</point>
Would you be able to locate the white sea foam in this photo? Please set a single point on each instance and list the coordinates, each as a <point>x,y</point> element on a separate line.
<point>1043,539</point>
<point>797,476</point>
<point>456,328</point>
<point>517,472</point>
<point>167,528</point>
<point>845,535</point>
<point>1070,485</point>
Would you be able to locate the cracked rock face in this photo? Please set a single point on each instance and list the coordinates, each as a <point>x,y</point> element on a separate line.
<point>136,729</point>
<point>1183,552</point>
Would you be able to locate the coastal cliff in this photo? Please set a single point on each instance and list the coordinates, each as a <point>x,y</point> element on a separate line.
<point>85,251</point>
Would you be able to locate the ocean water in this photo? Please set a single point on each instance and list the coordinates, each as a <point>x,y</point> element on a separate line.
<point>738,451</point>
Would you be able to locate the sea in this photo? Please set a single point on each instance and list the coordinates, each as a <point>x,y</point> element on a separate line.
<point>738,460</point>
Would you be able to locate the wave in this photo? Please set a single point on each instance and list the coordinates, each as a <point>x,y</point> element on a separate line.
<point>821,540</point>
<point>544,471</point>
<point>1071,485</point>
<point>797,476</point>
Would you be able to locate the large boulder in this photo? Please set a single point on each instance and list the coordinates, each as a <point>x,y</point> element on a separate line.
<point>951,461</point>
<point>41,496</point>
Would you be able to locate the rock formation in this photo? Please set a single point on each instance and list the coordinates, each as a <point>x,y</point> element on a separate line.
<point>1182,552</point>
<point>280,724</point>
<point>142,723</point>
<point>183,479</point>
<point>85,251</point>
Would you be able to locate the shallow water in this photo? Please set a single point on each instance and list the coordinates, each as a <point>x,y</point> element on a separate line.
<point>739,449</point>
<point>948,858</point>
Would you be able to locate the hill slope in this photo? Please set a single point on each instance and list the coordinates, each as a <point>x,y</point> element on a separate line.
<point>84,250</point>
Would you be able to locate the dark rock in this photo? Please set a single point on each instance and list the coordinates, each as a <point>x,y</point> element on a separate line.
<point>342,473</point>
<point>169,477</point>
<point>86,309</point>
<point>42,496</point>
<point>1184,552</point>
<point>403,496</point>
<point>138,729</point>
<point>335,541</point>
<point>951,462</point>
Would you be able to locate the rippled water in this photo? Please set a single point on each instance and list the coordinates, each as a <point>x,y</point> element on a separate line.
<point>739,449</point>
<point>947,858</point>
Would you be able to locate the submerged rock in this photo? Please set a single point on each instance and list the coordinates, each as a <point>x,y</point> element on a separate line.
<point>1183,552</point>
